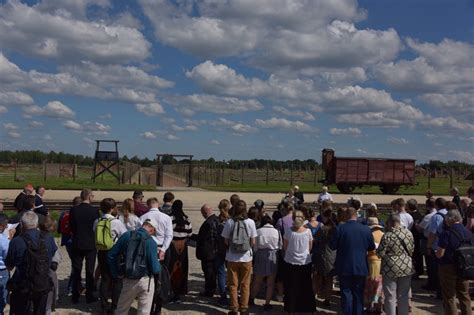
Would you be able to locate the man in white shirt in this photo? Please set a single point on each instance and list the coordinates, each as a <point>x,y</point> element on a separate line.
<point>324,195</point>
<point>165,226</point>
<point>239,264</point>
<point>163,238</point>
<point>406,220</point>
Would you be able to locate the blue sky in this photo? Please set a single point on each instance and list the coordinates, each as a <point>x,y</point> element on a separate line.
<point>278,79</point>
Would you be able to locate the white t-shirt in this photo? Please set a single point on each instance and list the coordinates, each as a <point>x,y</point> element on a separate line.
<point>133,222</point>
<point>406,220</point>
<point>268,238</point>
<point>117,228</point>
<point>227,234</point>
<point>297,252</point>
<point>324,196</point>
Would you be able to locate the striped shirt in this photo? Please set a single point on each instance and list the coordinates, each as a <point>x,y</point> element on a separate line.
<point>181,232</point>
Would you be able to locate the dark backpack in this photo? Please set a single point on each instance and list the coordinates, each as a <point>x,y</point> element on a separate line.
<point>135,257</point>
<point>464,257</point>
<point>37,265</point>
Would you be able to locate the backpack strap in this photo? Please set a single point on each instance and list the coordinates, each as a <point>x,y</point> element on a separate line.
<point>403,244</point>
<point>458,235</point>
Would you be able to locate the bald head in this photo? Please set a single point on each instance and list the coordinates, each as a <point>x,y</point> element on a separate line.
<point>206,210</point>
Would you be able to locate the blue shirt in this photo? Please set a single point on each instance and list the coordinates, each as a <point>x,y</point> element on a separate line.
<point>352,241</point>
<point>16,256</point>
<point>436,225</point>
<point>4,243</point>
<point>153,264</point>
<point>450,242</point>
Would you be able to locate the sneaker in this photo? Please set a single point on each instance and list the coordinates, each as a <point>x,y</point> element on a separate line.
<point>176,300</point>
<point>267,307</point>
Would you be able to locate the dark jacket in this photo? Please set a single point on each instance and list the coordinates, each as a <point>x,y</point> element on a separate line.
<point>207,239</point>
<point>82,220</point>
<point>18,203</point>
<point>40,207</point>
<point>352,241</point>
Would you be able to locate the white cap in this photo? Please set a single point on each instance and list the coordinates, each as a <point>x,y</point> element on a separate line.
<point>296,187</point>
<point>151,222</point>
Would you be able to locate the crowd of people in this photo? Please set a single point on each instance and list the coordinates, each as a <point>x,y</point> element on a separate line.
<point>296,254</point>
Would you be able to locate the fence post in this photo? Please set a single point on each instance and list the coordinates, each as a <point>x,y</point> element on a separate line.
<point>44,170</point>
<point>291,175</point>
<point>15,162</point>
<point>242,174</point>
<point>74,172</point>
<point>451,178</point>
<point>223,173</point>
<point>315,175</point>
<point>268,172</point>
<point>429,179</point>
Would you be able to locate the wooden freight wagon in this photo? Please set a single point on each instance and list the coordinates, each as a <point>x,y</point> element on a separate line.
<point>347,173</point>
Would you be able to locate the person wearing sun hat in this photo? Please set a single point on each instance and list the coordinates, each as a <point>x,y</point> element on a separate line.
<point>373,286</point>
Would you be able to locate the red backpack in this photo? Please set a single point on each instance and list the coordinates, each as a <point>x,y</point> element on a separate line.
<point>65,227</point>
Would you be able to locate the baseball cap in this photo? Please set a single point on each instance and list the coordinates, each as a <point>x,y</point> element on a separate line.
<point>296,187</point>
<point>151,222</point>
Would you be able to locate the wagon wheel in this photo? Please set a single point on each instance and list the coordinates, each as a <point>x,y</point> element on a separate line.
<point>345,188</point>
<point>389,189</point>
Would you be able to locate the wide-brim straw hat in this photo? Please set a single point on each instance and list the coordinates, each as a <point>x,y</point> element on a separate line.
<point>373,223</point>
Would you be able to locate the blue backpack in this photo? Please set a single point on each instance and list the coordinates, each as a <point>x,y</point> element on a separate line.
<point>135,257</point>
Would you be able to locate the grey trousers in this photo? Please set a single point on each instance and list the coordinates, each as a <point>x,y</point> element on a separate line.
<point>396,292</point>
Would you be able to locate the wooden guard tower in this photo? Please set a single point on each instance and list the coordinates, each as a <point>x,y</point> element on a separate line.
<point>106,160</point>
<point>159,177</point>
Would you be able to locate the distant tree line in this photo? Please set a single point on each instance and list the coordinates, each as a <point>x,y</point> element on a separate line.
<point>37,157</point>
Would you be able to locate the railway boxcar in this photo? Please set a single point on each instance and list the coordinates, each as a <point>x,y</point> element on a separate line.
<point>347,173</point>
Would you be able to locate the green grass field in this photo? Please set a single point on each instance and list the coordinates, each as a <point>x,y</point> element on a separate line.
<point>33,175</point>
<point>439,186</point>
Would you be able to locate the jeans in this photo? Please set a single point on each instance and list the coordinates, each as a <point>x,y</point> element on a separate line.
<point>69,283</point>
<point>396,293</point>
<point>4,276</point>
<point>352,294</point>
<point>221,277</point>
